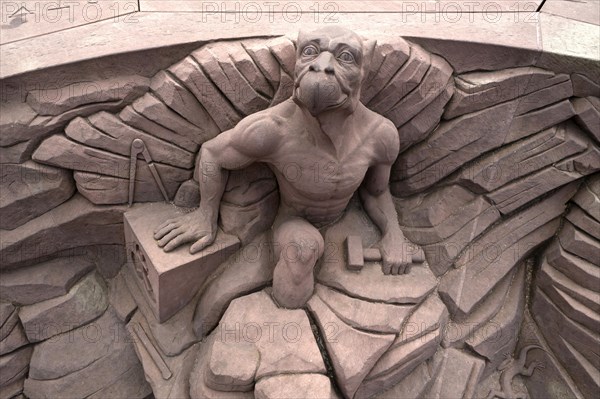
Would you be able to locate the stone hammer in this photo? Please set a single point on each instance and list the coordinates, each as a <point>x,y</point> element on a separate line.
<point>356,255</point>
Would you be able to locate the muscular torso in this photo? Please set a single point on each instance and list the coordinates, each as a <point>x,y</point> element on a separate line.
<point>316,178</point>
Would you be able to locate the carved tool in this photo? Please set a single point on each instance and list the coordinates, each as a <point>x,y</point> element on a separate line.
<point>139,147</point>
<point>356,255</point>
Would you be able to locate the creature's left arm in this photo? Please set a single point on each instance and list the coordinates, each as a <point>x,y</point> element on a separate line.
<point>377,200</point>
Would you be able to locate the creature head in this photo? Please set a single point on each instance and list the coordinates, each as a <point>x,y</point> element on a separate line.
<point>330,66</point>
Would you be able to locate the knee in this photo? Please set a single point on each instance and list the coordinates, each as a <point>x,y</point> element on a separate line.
<point>305,249</point>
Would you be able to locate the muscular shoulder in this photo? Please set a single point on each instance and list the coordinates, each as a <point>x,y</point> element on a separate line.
<point>259,134</point>
<point>385,138</point>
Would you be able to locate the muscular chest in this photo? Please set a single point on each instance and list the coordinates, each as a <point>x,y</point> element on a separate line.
<point>316,172</point>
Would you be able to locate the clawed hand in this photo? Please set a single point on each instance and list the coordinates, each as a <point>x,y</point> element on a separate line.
<point>192,227</point>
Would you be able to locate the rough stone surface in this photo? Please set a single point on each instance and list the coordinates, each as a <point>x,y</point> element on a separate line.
<point>43,281</point>
<point>464,138</point>
<point>499,335</point>
<point>584,273</point>
<point>168,375</point>
<point>581,305</point>
<point>14,340</point>
<point>413,386</point>
<point>522,158</point>
<point>583,221</point>
<point>579,243</point>
<point>397,363</point>
<point>222,377</point>
<point>17,153</point>
<point>83,303</point>
<point>308,386</point>
<point>197,385</point>
<point>575,346</point>
<point>216,62</point>
<point>435,81</point>
<point>130,116</point>
<point>364,315</point>
<point>107,132</point>
<point>479,90</point>
<point>29,190</point>
<point>497,252</point>
<point>120,298</point>
<point>14,120</point>
<point>189,72</point>
<point>458,375</point>
<point>388,57</point>
<point>588,115</point>
<point>59,151</point>
<point>112,372</point>
<point>288,347</point>
<point>516,194</point>
<point>584,86</point>
<point>431,315</point>
<point>538,385</point>
<point>588,197</point>
<point>65,227</point>
<point>404,82</point>
<point>60,100</point>
<point>71,351</point>
<point>256,260</point>
<point>425,122</point>
<point>14,365</point>
<point>155,110</point>
<point>462,325</point>
<point>352,352</point>
<point>166,87</point>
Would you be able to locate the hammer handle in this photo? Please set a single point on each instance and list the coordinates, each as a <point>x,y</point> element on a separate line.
<point>374,255</point>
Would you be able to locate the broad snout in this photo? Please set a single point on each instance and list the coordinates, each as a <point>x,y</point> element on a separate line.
<point>323,63</point>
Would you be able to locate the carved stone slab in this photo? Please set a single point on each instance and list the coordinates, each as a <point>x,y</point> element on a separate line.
<point>170,279</point>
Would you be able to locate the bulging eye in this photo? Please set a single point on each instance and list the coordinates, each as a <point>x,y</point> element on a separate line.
<point>310,51</point>
<point>346,56</point>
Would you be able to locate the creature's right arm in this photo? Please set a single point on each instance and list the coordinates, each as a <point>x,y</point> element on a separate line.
<point>253,139</point>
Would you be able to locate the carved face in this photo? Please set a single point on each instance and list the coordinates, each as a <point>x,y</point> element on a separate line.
<point>329,70</point>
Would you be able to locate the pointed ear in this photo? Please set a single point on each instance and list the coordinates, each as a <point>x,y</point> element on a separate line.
<point>368,50</point>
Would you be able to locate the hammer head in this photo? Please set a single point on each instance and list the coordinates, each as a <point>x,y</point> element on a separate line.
<point>354,253</point>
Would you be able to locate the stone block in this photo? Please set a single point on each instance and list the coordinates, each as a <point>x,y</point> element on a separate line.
<point>169,280</point>
<point>364,315</point>
<point>29,190</point>
<point>65,227</point>
<point>75,350</point>
<point>307,386</point>
<point>479,90</point>
<point>107,132</point>
<point>588,115</point>
<point>189,72</point>
<point>83,303</point>
<point>458,376</point>
<point>14,365</point>
<point>44,281</point>
<point>584,273</point>
<point>171,92</point>
<point>218,66</point>
<point>579,243</point>
<point>494,254</point>
<point>288,347</point>
<point>130,116</point>
<point>352,352</point>
<point>14,340</point>
<point>60,100</point>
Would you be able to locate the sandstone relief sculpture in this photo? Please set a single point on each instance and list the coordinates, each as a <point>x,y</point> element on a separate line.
<point>492,172</point>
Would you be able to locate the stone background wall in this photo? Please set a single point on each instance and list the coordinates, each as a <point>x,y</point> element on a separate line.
<point>497,180</point>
